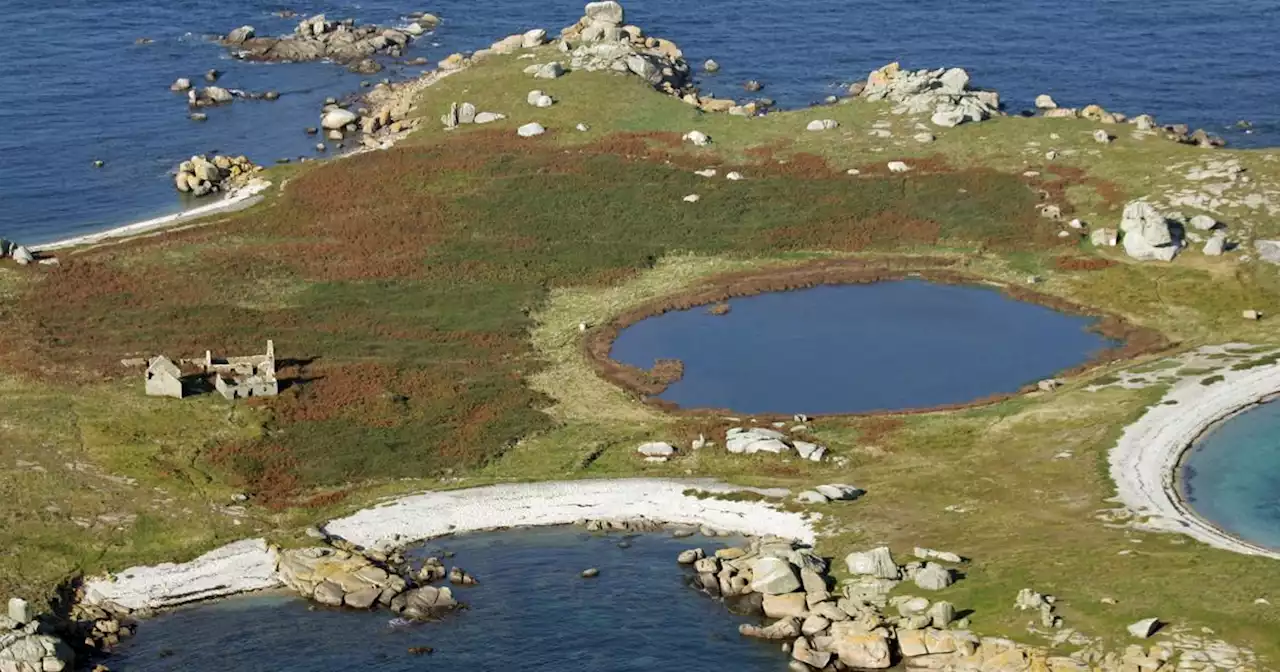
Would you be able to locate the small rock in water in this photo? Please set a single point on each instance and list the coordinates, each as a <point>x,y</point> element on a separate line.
<point>198,116</point>
<point>99,163</point>
<point>590,573</point>
<point>312,130</point>
<point>212,75</point>
<point>753,86</point>
<point>711,66</point>
<point>421,650</point>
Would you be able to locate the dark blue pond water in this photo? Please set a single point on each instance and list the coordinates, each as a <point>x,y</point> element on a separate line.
<point>74,87</point>
<point>856,348</point>
<point>1231,476</point>
<point>531,612</point>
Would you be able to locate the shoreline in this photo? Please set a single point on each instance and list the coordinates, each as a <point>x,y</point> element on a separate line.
<point>250,194</point>
<point>1145,462</point>
<point>235,201</point>
<point>249,565</point>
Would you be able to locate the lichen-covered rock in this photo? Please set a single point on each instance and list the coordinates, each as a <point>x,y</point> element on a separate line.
<point>773,576</point>
<point>1147,234</point>
<point>877,562</point>
<point>861,649</point>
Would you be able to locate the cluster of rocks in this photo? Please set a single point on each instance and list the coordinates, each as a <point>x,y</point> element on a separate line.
<point>466,113</point>
<point>215,95</point>
<point>19,253</point>
<point>1142,123</point>
<point>749,441</point>
<point>944,94</point>
<point>601,41</point>
<point>99,629</point>
<point>858,626</point>
<point>317,38</point>
<point>1149,234</point>
<point>752,440</point>
<point>201,175</point>
<point>344,575</point>
<point>26,644</point>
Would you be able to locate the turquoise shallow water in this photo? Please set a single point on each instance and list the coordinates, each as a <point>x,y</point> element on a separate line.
<point>1231,476</point>
<point>857,348</point>
<point>531,612</point>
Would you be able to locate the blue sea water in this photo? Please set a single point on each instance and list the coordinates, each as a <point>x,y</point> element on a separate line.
<point>857,348</point>
<point>531,611</point>
<point>1231,477</point>
<point>75,88</point>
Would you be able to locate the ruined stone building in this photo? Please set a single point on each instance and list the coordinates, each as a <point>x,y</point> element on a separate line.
<point>164,378</point>
<point>233,377</point>
<point>244,377</point>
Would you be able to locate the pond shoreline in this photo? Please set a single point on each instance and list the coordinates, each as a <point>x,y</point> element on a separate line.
<point>250,565</point>
<point>646,385</point>
<point>1145,462</point>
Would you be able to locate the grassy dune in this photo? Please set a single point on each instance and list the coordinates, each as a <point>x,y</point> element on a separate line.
<point>428,298</point>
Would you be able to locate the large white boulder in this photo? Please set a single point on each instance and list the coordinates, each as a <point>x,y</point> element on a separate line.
<point>774,576</point>
<point>531,129</point>
<point>656,449</point>
<point>755,440</point>
<point>1147,235</point>
<point>877,562</point>
<point>337,119</point>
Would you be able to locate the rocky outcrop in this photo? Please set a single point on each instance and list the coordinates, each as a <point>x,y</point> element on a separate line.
<point>601,41</point>
<point>201,175</point>
<point>1149,235</point>
<point>24,647</point>
<point>752,440</point>
<point>348,577</point>
<point>316,38</point>
<point>944,94</point>
<point>337,578</point>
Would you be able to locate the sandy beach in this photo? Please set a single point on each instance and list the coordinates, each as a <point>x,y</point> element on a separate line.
<point>239,199</point>
<point>1144,463</point>
<point>250,565</point>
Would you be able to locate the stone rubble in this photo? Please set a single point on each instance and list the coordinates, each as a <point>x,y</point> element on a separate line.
<point>201,175</point>
<point>749,441</point>
<point>943,93</point>
<point>318,38</point>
